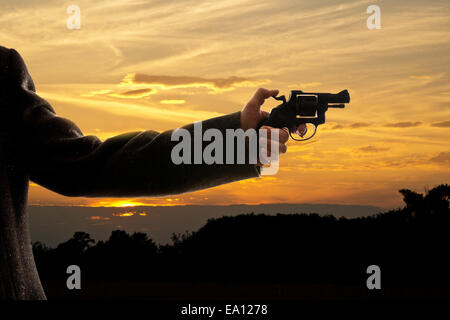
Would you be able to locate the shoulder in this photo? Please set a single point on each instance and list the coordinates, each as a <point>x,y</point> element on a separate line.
<point>7,58</point>
<point>4,51</point>
<point>10,56</point>
<point>4,59</point>
<point>12,64</point>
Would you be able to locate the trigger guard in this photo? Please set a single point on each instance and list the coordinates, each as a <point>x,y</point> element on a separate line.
<point>314,133</point>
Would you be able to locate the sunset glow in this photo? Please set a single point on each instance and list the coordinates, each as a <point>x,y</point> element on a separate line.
<point>117,203</point>
<point>158,65</point>
<point>124,214</point>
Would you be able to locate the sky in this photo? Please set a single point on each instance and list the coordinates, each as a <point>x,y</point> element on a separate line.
<point>140,65</point>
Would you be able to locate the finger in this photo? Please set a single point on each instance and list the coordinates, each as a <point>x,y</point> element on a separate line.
<point>283,134</point>
<point>270,145</point>
<point>302,129</point>
<point>265,114</point>
<point>282,148</point>
<point>262,94</point>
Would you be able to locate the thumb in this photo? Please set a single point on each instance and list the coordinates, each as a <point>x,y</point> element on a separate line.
<point>265,114</point>
<point>262,94</point>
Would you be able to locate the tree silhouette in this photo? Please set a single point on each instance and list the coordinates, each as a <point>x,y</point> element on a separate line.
<point>80,242</point>
<point>434,205</point>
<point>437,203</point>
<point>414,203</point>
<point>409,244</point>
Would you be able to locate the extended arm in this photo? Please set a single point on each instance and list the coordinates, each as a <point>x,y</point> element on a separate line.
<point>59,157</point>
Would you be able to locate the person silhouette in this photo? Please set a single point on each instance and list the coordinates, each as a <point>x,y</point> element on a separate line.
<point>38,145</point>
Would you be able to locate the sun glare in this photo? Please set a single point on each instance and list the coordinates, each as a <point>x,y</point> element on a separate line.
<point>118,203</point>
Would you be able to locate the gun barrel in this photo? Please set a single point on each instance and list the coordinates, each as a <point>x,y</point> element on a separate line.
<point>341,97</point>
<point>341,106</point>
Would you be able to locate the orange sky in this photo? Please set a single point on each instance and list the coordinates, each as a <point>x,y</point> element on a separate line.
<point>137,65</point>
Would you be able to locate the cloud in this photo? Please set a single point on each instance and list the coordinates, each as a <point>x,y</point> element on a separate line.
<point>338,126</point>
<point>134,94</point>
<point>96,93</point>
<point>443,124</point>
<point>124,214</point>
<point>442,157</point>
<point>172,101</point>
<point>175,82</point>
<point>127,108</point>
<point>357,125</point>
<point>309,85</point>
<point>372,149</point>
<point>131,94</point>
<point>406,124</point>
<point>425,79</point>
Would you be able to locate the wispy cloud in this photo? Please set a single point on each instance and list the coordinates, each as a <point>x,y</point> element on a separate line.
<point>426,79</point>
<point>97,218</point>
<point>443,124</point>
<point>355,125</point>
<point>96,93</point>
<point>175,82</point>
<point>406,124</point>
<point>442,157</point>
<point>133,94</point>
<point>373,149</point>
<point>358,125</point>
<point>172,101</point>
<point>309,85</point>
<point>136,108</point>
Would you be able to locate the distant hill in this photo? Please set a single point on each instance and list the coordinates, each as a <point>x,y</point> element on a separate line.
<point>52,225</point>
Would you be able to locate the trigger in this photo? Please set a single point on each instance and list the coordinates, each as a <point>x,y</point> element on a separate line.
<point>313,134</point>
<point>290,134</point>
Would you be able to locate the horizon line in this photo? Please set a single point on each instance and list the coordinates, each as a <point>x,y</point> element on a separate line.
<point>210,205</point>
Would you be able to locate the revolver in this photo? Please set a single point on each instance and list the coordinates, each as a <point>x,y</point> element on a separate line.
<point>304,108</point>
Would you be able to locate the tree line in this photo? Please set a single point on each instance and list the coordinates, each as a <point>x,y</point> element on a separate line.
<point>411,246</point>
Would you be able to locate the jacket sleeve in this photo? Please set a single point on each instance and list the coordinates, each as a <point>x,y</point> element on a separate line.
<point>57,155</point>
